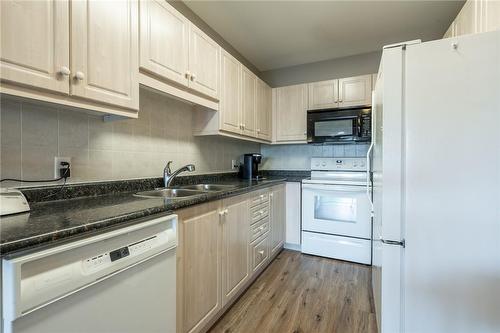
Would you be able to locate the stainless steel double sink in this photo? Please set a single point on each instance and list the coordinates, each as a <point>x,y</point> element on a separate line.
<point>183,192</point>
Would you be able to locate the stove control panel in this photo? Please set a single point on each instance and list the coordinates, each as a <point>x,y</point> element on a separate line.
<point>340,164</point>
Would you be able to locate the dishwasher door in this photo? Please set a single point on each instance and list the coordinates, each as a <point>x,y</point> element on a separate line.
<point>121,281</point>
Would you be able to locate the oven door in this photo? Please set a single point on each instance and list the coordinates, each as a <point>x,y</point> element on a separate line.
<point>336,209</point>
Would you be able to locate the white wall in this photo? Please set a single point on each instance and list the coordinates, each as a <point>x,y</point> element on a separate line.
<point>360,64</point>
<point>32,134</point>
<point>298,157</point>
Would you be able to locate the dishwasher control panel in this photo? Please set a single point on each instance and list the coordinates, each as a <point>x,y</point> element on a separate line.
<point>104,260</point>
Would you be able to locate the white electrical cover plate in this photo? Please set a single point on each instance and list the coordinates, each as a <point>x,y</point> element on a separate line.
<point>12,201</point>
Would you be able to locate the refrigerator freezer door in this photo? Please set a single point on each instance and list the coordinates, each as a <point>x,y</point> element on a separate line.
<point>387,189</point>
<point>452,182</point>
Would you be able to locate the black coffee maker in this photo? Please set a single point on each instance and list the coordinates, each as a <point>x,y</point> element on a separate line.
<point>250,167</point>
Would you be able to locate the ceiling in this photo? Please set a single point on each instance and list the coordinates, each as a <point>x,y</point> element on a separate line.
<point>277,34</point>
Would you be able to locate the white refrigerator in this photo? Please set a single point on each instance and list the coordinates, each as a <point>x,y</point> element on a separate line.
<point>435,163</point>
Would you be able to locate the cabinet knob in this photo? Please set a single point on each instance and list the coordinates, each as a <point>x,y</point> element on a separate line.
<point>261,253</point>
<point>193,77</point>
<point>340,101</point>
<point>64,71</point>
<point>258,130</point>
<point>79,76</point>
<point>305,133</point>
<point>188,74</point>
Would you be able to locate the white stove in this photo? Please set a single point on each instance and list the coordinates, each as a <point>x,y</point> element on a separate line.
<point>336,219</point>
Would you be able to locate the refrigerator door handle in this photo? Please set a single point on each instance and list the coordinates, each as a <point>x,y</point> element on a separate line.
<point>393,242</point>
<point>368,175</point>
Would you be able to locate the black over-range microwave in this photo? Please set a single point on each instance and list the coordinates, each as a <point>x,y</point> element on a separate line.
<point>345,125</point>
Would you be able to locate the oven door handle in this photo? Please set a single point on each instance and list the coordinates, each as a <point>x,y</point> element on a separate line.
<point>333,188</point>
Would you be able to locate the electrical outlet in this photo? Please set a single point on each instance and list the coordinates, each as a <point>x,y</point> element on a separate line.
<point>234,165</point>
<point>57,165</point>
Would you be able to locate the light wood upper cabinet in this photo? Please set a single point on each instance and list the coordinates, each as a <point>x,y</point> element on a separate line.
<point>490,14</point>
<point>264,111</point>
<point>199,266</point>
<point>235,236</point>
<point>290,111</point>
<point>203,63</point>
<point>467,21</point>
<point>248,101</point>
<point>277,201</point>
<point>475,16</point>
<point>35,44</point>
<point>104,51</point>
<point>230,106</point>
<point>355,91</point>
<point>164,41</point>
<point>323,94</point>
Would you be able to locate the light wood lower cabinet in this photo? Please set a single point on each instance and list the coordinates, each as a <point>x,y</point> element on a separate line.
<point>278,210</point>
<point>235,235</point>
<point>199,297</point>
<point>217,257</point>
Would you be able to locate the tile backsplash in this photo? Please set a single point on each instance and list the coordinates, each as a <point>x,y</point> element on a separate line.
<point>32,134</point>
<point>298,157</point>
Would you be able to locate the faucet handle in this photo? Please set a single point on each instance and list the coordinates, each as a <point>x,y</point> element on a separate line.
<point>167,168</point>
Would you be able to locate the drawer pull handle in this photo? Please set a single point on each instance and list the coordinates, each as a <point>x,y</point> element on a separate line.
<point>262,196</point>
<point>261,253</point>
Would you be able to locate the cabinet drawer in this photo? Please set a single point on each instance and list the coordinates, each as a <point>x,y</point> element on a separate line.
<point>257,213</point>
<point>260,253</point>
<point>259,229</point>
<point>259,199</point>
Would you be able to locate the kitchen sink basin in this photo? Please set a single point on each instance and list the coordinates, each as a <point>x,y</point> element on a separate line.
<point>208,187</point>
<point>170,193</point>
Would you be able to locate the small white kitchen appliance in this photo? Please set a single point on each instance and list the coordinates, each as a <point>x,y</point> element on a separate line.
<point>336,211</point>
<point>12,201</point>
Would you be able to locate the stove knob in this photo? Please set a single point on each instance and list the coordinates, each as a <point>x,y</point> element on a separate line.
<point>362,164</point>
<point>355,165</point>
<point>323,164</point>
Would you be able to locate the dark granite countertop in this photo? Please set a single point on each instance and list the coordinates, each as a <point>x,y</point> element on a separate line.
<point>49,222</point>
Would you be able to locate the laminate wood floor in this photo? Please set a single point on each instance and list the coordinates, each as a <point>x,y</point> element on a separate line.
<point>299,293</point>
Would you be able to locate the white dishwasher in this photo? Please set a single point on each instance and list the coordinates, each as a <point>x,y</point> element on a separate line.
<point>119,281</point>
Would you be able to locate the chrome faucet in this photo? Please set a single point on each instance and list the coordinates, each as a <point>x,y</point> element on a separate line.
<point>168,175</point>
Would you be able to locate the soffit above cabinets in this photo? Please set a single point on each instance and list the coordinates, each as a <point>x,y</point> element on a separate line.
<point>277,34</point>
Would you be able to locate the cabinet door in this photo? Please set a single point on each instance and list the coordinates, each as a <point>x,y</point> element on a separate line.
<point>291,113</point>
<point>277,197</point>
<point>104,51</point>
<point>263,111</point>
<point>164,41</point>
<point>230,98</point>
<point>490,15</point>
<point>323,94</point>
<point>203,63</point>
<point>355,91</point>
<point>235,239</point>
<point>467,21</point>
<point>248,98</point>
<point>200,266</point>
<point>35,43</point>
